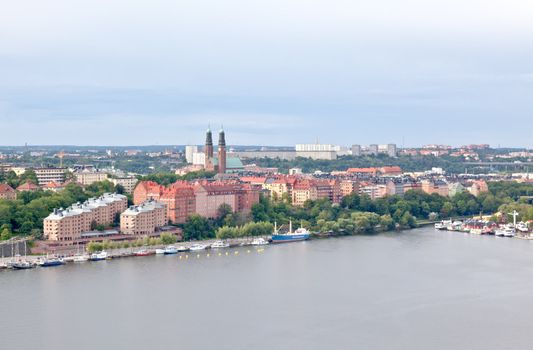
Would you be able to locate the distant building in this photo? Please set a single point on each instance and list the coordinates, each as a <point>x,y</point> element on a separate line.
<point>388,149</point>
<point>7,192</point>
<point>189,153</point>
<point>435,186</point>
<point>54,187</point>
<point>373,149</point>
<point>88,177</point>
<point>478,187</point>
<point>455,188</point>
<point>198,159</point>
<point>28,186</point>
<point>51,174</point>
<point>143,219</point>
<point>274,154</point>
<point>295,171</point>
<point>374,191</point>
<point>356,150</point>
<point>317,151</point>
<point>128,183</point>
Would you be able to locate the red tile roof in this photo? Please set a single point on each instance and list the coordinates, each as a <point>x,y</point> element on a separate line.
<point>5,188</point>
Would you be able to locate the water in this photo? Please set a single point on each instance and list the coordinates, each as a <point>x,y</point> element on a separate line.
<point>415,290</point>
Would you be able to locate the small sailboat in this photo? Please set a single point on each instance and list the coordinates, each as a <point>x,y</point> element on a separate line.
<point>79,258</point>
<point>23,264</point>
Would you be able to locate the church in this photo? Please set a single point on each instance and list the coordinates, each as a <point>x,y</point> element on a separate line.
<point>221,163</point>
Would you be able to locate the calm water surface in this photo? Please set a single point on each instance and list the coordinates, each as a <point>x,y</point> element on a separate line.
<point>415,290</point>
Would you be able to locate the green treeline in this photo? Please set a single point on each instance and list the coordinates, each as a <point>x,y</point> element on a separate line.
<point>407,163</point>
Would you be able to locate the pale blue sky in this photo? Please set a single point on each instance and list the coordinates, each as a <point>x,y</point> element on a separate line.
<point>278,72</point>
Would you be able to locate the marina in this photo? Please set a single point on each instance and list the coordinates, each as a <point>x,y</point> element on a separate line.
<point>442,282</point>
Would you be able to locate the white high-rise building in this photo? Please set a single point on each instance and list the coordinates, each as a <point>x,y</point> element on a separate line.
<point>189,153</point>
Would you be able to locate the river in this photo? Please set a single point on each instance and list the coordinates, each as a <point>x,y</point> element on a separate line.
<point>418,289</point>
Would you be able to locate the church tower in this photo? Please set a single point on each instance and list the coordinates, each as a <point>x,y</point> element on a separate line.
<point>221,152</point>
<point>208,150</point>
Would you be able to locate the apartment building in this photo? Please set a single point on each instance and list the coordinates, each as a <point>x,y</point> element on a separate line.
<point>7,192</point>
<point>67,225</point>
<point>144,219</point>
<point>51,174</point>
<point>88,177</point>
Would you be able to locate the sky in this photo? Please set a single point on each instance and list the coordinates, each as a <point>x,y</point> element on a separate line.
<point>276,72</point>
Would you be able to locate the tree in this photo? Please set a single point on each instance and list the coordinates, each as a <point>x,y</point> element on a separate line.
<point>197,227</point>
<point>223,211</point>
<point>167,238</point>
<point>5,234</point>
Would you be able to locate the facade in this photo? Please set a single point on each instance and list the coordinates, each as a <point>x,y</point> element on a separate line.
<point>128,183</point>
<point>478,187</point>
<point>88,177</point>
<point>7,192</point>
<point>46,175</point>
<point>373,149</point>
<point>183,199</point>
<point>356,150</point>
<point>348,187</point>
<point>455,188</point>
<point>437,186</point>
<point>211,195</point>
<point>374,191</point>
<point>67,225</point>
<point>28,186</point>
<point>388,149</point>
<point>180,201</point>
<point>189,152</point>
<point>144,219</point>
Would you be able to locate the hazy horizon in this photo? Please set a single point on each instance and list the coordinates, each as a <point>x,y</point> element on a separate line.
<point>277,73</point>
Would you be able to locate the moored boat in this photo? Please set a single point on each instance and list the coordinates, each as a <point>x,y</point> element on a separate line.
<point>197,247</point>
<point>219,244</point>
<point>51,262</point>
<point>170,250</point>
<point>99,256</point>
<point>80,258</point>
<point>259,241</point>
<point>22,265</point>
<point>183,249</point>
<point>300,234</point>
<point>144,252</point>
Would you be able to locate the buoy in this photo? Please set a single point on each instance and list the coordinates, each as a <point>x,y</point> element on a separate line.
<point>248,251</point>
<point>186,257</point>
<point>198,256</point>
<point>180,257</point>
<point>227,253</point>
<point>236,253</point>
<point>207,255</point>
<point>219,254</point>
